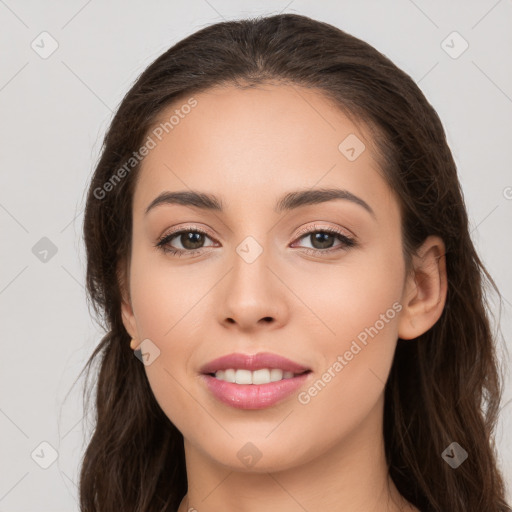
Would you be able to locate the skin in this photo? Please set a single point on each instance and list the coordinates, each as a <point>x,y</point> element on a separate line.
<point>249,147</point>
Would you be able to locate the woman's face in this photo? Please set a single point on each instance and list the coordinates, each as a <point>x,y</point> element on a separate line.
<point>268,276</point>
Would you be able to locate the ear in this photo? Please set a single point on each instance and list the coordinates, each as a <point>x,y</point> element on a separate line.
<point>425,290</point>
<point>126,306</point>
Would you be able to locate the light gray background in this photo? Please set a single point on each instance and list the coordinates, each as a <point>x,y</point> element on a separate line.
<point>54,113</point>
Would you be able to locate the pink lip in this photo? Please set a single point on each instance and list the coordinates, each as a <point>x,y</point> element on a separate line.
<point>253,396</point>
<point>252,362</point>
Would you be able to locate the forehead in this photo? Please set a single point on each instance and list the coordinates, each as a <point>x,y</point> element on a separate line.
<point>250,145</point>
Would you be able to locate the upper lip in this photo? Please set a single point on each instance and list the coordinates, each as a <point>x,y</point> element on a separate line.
<point>252,362</point>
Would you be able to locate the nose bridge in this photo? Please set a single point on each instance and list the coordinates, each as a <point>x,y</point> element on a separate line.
<point>251,292</point>
<point>250,262</point>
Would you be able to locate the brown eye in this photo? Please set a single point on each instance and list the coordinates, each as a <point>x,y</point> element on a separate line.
<point>322,241</point>
<point>191,241</point>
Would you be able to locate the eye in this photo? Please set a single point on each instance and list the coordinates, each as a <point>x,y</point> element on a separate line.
<point>190,239</point>
<point>322,240</point>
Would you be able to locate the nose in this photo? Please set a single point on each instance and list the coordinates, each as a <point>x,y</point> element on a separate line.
<point>253,296</point>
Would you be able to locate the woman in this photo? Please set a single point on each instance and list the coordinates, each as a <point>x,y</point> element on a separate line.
<point>276,229</point>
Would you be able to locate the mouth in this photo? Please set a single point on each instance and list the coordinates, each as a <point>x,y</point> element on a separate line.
<point>256,377</point>
<point>253,381</point>
<point>253,362</point>
<point>254,396</point>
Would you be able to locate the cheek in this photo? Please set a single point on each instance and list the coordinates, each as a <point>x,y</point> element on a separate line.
<point>350,295</point>
<point>349,386</point>
<point>165,307</point>
<point>359,308</point>
<point>164,295</point>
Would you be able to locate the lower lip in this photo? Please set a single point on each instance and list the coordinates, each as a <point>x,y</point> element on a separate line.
<point>253,396</point>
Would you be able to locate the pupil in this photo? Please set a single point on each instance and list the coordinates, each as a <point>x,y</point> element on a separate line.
<point>192,240</point>
<point>323,238</point>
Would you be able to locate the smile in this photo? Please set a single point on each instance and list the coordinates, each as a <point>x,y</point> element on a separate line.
<point>249,395</point>
<point>258,377</point>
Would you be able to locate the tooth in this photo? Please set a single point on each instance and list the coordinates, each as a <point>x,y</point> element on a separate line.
<point>276,374</point>
<point>261,376</point>
<point>229,375</point>
<point>243,377</point>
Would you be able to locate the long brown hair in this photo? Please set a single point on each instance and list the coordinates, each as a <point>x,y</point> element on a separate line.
<point>444,386</point>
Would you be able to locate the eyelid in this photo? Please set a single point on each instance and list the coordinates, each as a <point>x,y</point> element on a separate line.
<point>190,227</point>
<point>350,240</point>
<point>165,240</point>
<point>318,227</point>
<point>303,231</point>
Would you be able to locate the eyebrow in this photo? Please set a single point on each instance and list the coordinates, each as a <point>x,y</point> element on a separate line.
<point>288,202</point>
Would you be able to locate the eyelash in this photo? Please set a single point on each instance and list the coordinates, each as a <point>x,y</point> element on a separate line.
<point>346,242</point>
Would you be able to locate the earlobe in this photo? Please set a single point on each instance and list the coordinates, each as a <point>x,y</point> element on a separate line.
<point>425,290</point>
